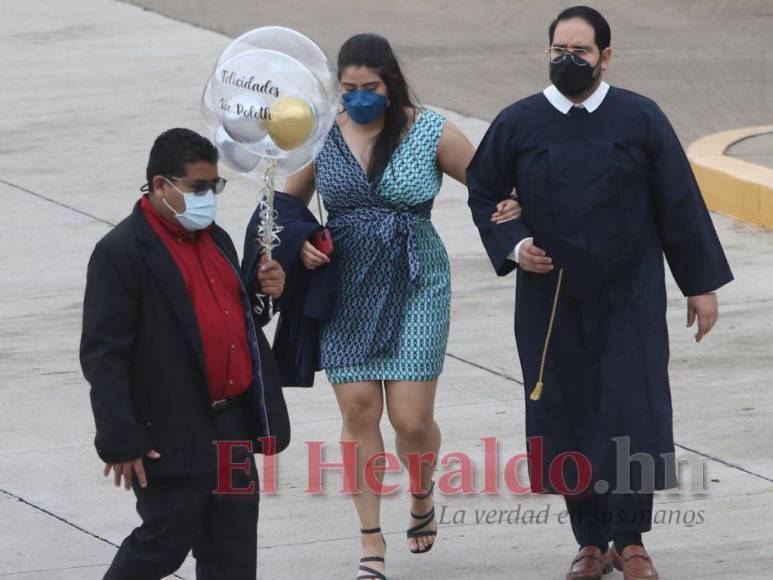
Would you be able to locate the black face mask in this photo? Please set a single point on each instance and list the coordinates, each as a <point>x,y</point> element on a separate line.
<point>571,78</point>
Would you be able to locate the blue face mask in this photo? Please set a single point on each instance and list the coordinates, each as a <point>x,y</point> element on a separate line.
<point>364,107</point>
<point>199,209</point>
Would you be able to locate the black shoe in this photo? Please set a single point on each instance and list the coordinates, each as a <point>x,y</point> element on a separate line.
<point>368,573</point>
<point>417,531</point>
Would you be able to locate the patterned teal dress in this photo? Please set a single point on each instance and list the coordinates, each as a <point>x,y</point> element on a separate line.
<point>391,315</point>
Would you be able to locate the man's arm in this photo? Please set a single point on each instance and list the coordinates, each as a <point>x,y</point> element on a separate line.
<point>689,239</point>
<point>490,180</point>
<point>690,242</point>
<point>109,330</point>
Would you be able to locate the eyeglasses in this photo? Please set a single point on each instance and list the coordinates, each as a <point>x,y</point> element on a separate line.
<point>580,56</point>
<point>202,186</point>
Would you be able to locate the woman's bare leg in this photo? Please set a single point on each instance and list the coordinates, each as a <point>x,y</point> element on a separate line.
<point>362,405</point>
<point>411,410</point>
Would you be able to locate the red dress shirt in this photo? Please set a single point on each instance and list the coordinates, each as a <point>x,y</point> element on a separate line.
<point>215,294</point>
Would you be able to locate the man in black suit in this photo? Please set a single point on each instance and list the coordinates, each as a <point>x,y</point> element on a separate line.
<point>177,363</point>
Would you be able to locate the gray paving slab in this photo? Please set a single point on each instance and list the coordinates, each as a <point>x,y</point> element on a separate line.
<point>35,545</point>
<point>70,164</point>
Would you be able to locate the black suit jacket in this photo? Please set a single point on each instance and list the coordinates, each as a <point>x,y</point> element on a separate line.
<point>142,353</point>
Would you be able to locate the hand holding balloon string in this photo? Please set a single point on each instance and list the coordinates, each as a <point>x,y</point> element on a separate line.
<point>268,233</point>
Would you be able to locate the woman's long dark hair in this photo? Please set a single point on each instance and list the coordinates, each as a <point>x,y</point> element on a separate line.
<point>374,51</point>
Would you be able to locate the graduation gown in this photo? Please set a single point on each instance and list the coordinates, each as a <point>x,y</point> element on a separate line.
<point>309,296</point>
<point>608,193</point>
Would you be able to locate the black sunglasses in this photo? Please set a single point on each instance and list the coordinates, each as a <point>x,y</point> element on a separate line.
<point>202,186</point>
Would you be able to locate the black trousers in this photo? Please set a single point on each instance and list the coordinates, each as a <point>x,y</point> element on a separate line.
<point>599,519</point>
<point>180,514</point>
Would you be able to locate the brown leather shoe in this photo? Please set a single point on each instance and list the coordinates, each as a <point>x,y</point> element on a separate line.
<point>590,564</point>
<point>635,563</point>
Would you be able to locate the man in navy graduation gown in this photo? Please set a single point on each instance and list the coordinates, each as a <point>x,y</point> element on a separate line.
<point>606,191</point>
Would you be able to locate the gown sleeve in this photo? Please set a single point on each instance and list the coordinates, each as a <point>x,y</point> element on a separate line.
<point>490,179</point>
<point>690,243</point>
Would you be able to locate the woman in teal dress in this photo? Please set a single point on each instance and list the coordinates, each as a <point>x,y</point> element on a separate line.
<point>378,174</point>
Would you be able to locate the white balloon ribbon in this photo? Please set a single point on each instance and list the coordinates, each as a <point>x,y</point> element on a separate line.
<point>268,230</point>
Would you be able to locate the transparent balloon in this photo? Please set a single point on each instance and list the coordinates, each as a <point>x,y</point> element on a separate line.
<point>242,130</point>
<point>236,109</point>
<point>292,43</point>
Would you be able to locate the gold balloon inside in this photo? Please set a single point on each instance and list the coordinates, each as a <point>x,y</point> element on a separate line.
<point>290,122</point>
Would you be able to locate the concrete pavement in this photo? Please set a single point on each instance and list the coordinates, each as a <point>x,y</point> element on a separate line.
<point>87,88</point>
<point>757,150</point>
<point>706,62</point>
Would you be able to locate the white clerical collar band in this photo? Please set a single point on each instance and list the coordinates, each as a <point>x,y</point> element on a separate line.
<point>564,105</point>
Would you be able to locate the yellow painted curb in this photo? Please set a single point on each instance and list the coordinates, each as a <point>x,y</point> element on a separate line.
<point>732,186</point>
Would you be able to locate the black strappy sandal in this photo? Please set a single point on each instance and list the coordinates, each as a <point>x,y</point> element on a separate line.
<point>370,573</point>
<point>418,530</point>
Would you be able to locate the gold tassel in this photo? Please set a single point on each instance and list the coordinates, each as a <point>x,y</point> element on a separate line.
<point>537,392</point>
